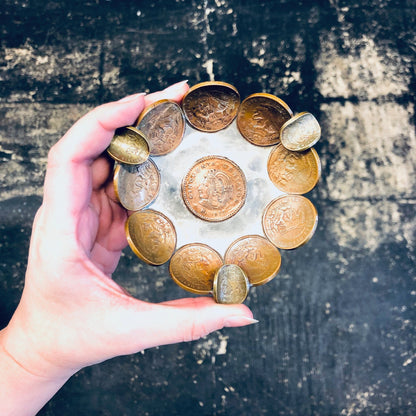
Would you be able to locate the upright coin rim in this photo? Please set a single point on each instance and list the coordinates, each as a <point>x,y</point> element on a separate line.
<point>143,139</point>
<point>151,107</point>
<point>271,97</point>
<point>257,236</point>
<point>316,159</point>
<point>215,283</point>
<point>133,245</point>
<point>116,175</point>
<point>308,145</point>
<point>307,237</point>
<point>175,278</point>
<point>209,84</point>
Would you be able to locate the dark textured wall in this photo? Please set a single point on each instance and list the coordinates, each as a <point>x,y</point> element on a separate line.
<point>337,326</point>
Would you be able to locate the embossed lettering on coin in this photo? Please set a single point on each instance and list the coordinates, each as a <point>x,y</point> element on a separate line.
<point>193,267</point>
<point>260,118</point>
<point>230,285</point>
<point>137,186</point>
<point>211,106</point>
<point>129,146</point>
<point>257,256</point>
<point>214,189</point>
<point>294,172</point>
<point>300,132</point>
<point>151,236</point>
<point>290,221</point>
<point>163,124</point>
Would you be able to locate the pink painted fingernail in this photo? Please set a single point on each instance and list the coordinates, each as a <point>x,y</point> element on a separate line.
<point>179,84</point>
<point>131,97</point>
<point>234,321</point>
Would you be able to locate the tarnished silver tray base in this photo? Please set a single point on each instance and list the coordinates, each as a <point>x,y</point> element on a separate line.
<point>228,143</point>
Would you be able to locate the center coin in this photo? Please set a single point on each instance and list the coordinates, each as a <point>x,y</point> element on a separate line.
<point>214,189</point>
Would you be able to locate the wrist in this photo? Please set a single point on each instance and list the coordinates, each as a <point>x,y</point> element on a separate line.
<point>29,341</point>
<point>23,392</point>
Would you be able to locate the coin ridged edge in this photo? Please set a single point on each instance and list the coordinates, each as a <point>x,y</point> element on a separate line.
<point>271,97</point>
<point>209,84</point>
<point>116,172</point>
<point>150,107</point>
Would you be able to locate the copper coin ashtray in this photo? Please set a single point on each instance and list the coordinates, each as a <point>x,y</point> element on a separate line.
<point>215,187</point>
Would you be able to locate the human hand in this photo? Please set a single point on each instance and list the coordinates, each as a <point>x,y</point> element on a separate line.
<point>72,314</point>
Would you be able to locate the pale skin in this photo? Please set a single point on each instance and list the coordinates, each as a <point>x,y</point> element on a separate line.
<point>71,313</point>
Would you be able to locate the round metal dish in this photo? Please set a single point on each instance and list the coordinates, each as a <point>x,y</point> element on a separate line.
<point>195,230</point>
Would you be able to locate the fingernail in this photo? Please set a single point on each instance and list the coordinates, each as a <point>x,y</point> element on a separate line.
<point>131,97</point>
<point>233,321</point>
<point>179,84</point>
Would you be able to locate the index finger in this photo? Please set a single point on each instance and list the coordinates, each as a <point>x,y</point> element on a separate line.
<point>68,178</point>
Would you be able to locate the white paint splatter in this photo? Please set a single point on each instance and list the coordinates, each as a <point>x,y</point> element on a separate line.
<point>409,360</point>
<point>209,66</point>
<point>222,349</point>
<point>257,61</point>
<point>359,402</point>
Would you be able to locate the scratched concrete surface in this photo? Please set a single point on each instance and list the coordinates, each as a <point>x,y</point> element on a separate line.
<point>337,326</point>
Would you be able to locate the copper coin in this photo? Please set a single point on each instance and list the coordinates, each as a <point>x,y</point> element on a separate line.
<point>136,186</point>
<point>193,267</point>
<point>290,221</point>
<point>230,285</point>
<point>294,172</point>
<point>211,106</point>
<point>163,124</point>
<point>151,236</point>
<point>260,118</point>
<point>129,146</point>
<point>257,256</point>
<point>300,132</point>
<point>214,189</point>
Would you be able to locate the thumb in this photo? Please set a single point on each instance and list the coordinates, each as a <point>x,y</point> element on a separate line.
<point>175,321</point>
<point>194,318</point>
